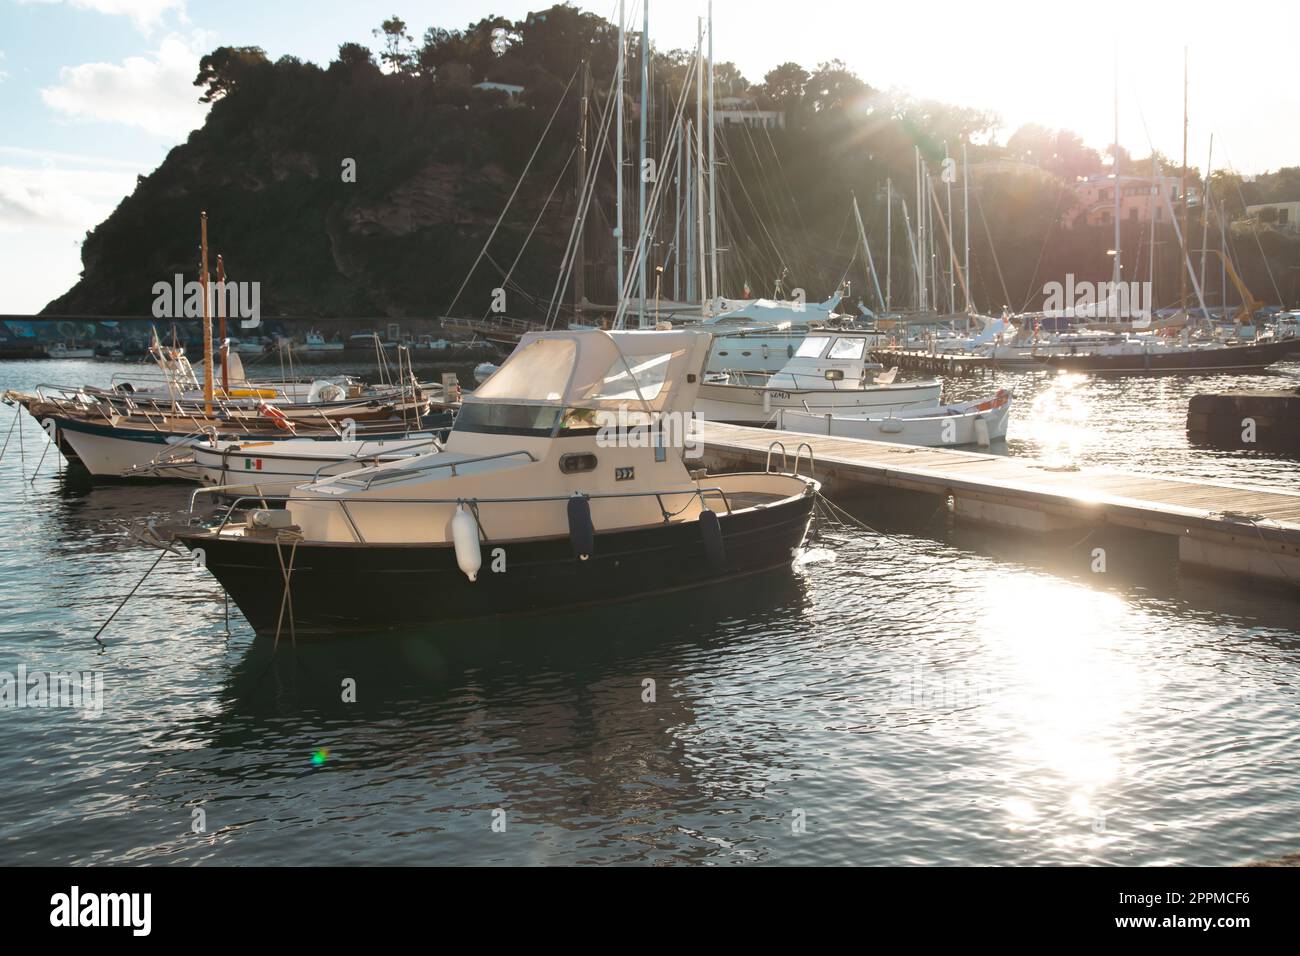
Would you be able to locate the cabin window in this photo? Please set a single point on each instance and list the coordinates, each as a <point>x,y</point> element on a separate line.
<point>577,463</point>
<point>847,348</point>
<point>639,376</point>
<point>538,372</point>
<point>496,418</point>
<point>812,346</point>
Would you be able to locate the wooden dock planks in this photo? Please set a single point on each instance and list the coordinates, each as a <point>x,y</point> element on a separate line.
<point>1247,518</point>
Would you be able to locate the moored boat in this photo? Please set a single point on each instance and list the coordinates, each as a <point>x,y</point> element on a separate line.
<point>276,467</point>
<point>829,371</point>
<point>979,422</point>
<point>557,487</point>
<point>1191,358</point>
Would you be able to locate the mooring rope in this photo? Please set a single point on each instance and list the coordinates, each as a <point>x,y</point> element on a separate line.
<point>161,555</point>
<point>287,598</point>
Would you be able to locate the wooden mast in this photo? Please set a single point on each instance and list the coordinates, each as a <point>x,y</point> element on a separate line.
<point>207,316</point>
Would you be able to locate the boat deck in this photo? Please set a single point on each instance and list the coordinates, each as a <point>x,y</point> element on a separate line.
<point>1251,531</point>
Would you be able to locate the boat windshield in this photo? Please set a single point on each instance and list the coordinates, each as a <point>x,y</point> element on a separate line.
<point>634,378</point>
<point>538,372</point>
<point>812,346</point>
<point>847,348</point>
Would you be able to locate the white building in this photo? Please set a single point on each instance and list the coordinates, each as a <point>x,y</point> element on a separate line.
<point>738,111</point>
<point>1284,215</point>
<point>511,91</point>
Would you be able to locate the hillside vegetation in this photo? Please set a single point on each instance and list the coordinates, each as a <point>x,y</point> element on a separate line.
<point>436,160</point>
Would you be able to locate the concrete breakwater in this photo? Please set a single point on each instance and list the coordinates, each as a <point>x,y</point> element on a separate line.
<point>1246,420</point>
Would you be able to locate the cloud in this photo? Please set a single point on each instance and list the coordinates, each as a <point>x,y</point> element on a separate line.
<point>59,198</point>
<point>154,92</point>
<point>144,14</point>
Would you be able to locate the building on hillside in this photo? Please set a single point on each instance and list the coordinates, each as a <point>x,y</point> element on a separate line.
<point>511,90</point>
<point>1138,200</point>
<point>1008,167</point>
<point>738,111</point>
<point>1283,215</point>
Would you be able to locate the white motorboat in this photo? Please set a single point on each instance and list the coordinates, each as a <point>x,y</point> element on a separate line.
<point>830,371</point>
<point>62,350</point>
<point>979,422</point>
<point>316,342</point>
<point>277,467</point>
<point>761,335</point>
<point>537,502</point>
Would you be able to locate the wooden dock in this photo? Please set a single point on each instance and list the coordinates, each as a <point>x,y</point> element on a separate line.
<point>1246,531</point>
<point>934,363</point>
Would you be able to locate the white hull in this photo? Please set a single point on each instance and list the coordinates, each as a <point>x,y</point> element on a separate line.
<point>944,427</point>
<point>276,468</point>
<point>111,456</point>
<point>747,405</point>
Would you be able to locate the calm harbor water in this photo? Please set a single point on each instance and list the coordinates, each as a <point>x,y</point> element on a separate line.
<point>927,695</point>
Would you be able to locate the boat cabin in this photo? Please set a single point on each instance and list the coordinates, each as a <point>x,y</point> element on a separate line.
<point>829,359</point>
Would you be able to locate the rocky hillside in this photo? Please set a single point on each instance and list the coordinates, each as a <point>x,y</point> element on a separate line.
<point>436,158</point>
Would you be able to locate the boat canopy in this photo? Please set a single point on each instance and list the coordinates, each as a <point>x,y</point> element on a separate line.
<point>650,371</point>
<point>770,312</point>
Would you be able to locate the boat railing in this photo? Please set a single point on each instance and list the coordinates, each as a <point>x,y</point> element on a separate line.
<point>240,502</point>
<point>372,456</point>
<point>798,457</point>
<point>433,464</point>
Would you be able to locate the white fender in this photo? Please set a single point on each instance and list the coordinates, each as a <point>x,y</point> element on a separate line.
<point>464,535</point>
<point>982,431</point>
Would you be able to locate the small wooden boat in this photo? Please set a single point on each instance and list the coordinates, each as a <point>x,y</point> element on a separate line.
<point>537,501</point>
<point>980,422</point>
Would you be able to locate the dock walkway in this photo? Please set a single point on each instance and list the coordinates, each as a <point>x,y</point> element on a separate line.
<point>1243,530</point>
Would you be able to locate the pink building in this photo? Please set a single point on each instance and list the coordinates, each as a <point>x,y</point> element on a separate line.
<point>1138,201</point>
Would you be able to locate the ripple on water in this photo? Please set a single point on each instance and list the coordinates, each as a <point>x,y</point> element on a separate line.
<point>910,699</point>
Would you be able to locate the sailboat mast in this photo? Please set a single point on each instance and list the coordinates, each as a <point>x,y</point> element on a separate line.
<point>889,242</point>
<point>952,253</point>
<point>1151,265</point>
<point>690,213</point>
<point>713,173</point>
<point>1205,206</point>
<point>1116,269</point>
<point>677,228</point>
<point>644,241</point>
<point>207,316</point>
<point>618,163</point>
<point>580,257</point>
<point>699,160</point>
<point>1182,285</point>
<point>965,218</point>
<point>920,237</point>
<point>866,248</point>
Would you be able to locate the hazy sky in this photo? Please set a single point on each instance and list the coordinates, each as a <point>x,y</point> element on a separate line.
<point>94,92</point>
